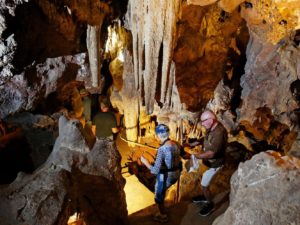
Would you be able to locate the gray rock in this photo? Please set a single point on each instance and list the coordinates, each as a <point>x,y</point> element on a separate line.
<point>74,179</point>
<point>264,190</point>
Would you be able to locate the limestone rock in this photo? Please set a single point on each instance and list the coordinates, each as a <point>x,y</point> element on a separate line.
<point>152,25</point>
<point>40,132</point>
<point>271,21</point>
<point>266,87</point>
<point>204,37</point>
<point>295,148</point>
<point>24,91</point>
<point>7,44</point>
<point>264,190</point>
<point>201,2</point>
<point>89,183</point>
<point>222,98</point>
<point>230,5</point>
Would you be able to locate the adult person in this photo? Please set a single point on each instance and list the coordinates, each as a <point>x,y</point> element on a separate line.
<point>167,167</point>
<point>87,104</point>
<point>214,145</point>
<point>105,121</point>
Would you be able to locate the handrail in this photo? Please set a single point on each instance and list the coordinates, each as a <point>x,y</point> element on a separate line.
<point>136,143</point>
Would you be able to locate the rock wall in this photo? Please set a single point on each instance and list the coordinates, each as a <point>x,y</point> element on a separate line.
<point>171,60</point>
<point>173,68</point>
<point>74,179</point>
<point>264,190</point>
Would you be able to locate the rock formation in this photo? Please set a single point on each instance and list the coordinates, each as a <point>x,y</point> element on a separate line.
<point>167,61</point>
<point>264,190</point>
<point>75,179</point>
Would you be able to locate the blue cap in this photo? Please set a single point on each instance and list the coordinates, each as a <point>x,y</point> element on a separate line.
<point>161,129</point>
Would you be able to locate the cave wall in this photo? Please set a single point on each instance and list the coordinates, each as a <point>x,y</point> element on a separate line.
<point>262,104</point>
<point>172,59</point>
<point>44,46</point>
<point>264,190</point>
<point>233,57</point>
<point>228,56</point>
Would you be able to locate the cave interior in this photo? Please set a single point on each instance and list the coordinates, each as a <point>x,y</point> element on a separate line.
<point>156,62</point>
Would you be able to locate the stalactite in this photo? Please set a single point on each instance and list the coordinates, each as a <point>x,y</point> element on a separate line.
<point>94,50</point>
<point>153,28</point>
<point>168,45</point>
<point>153,25</point>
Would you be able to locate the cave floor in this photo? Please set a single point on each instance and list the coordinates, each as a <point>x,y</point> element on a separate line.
<point>183,213</point>
<point>141,206</point>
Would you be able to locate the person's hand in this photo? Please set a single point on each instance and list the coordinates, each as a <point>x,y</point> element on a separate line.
<point>144,160</point>
<point>186,145</point>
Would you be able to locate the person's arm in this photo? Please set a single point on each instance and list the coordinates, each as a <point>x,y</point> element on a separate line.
<point>193,144</point>
<point>205,155</point>
<point>157,164</point>
<point>114,130</point>
<point>146,162</point>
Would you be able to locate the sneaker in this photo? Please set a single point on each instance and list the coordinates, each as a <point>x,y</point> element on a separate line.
<point>207,209</point>
<point>162,218</point>
<point>200,199</point>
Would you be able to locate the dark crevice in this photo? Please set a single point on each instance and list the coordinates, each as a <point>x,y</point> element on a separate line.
<point>297,38</point>
<point>120,7</point>
<point>295,90</point>
<point>159,74</point>
<point>238,63</point>
<point>107,76</point>
<point>37,39</point>
<point>14,156</point>
<point>143,91</point>
<point>143,58</point>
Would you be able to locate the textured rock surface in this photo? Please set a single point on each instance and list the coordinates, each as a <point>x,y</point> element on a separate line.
<point>152,25</point>
<point>271,21</point>
<point>177,64</point>
<point>33,32</point>
<point>24,91</point>
<point>40,132</point>
<point>204,51</point>
<point>267,101</point>
<point>178,56</point>
<point>264,190</point>
<point>269,72</point>
<point>74,179</point>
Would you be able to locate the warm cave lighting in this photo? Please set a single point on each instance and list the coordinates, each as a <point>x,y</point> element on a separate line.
<point>114,44</point>
<point>138,197</point>
<point>75,219</point>
<point>120,56</point>
<point>112,39</point>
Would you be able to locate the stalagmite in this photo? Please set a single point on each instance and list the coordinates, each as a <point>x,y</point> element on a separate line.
<point>130,99</point>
